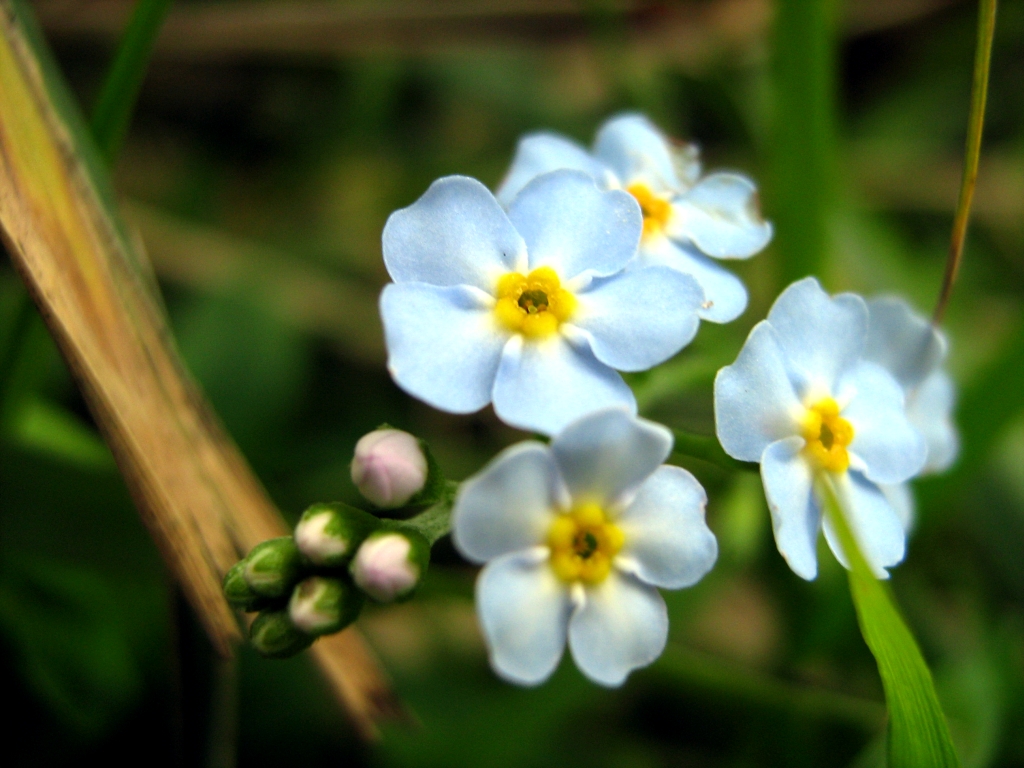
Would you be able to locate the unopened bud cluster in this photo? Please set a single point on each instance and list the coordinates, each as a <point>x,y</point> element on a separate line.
<point>315,582</point>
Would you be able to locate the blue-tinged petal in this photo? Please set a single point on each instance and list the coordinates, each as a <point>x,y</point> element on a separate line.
<point>637,151</point>
<point>755,403</point>
<point>572,226</point>
<point>540,153</point>
<point>901,497</point>
<point>930,409</point>
<point>796,516</point>
<point>876,526</point>
<point>821,336</point>
<point>725,296</point>
<point>639,318</point>
<point>891,449</point>
<point>524,610</point>
<point>606,455</point>
<point>508,505</point>
<point>902,342</point>
<point>621,626</point>
<point>544,385</point>
<point>667,541</point>
<point>455,234</point>
<point>721,216</point>
<point>443,344</point>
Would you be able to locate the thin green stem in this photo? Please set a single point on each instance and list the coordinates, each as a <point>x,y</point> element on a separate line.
<point>435,522</point>
<point>716,676</point>
<point>972,153</point>
<point>112,113</point>
<point>707,448</point>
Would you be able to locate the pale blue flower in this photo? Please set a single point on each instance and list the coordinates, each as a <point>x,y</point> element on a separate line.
<point>913,351</point>
<point>802,400</point>
<point>687,218</point>
<point>576,536</point>
<point>532,309</point>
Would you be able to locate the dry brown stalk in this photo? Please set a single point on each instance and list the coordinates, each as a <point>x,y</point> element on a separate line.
<point>195,492</point>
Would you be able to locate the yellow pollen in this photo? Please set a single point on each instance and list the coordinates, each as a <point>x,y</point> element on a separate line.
<point>827,435</point>
<point>583,544</point>
<point>656,210</point>
<point>534,305</point>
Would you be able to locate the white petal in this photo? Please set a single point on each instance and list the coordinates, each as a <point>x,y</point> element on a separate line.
<point>725,296</point>
<point>883,438</point>
<point>821,336</point>
<point>508,505</point>
<point>930,410</point>
<point>666,537</point>
<point>796,517</point>
<point>755,401</point>
<point>621,626</point>
<point>543,385</point>
<point>720,216</point>
<point>455,234</point>
<point>608,454</point>
<point>540,153</point>
<point>637,151</point>
<point>902,342</point>
<point>639,318</point>
<point>443,344</point>
<point>876,526</point>
<point>524,610</point>
<point>572,226</point>
<point>901,497</point>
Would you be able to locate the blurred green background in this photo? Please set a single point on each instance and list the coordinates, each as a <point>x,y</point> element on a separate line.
<point>270,143</point>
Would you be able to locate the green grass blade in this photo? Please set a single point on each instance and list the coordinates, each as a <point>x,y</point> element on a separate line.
<point>116,101</point>
<point>803,134</point>
<point>918,735</point>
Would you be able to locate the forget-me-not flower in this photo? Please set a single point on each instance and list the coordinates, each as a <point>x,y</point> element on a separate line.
<point>687,218</point>
<point>913,351</point>
<point>531,309</point>
<point>576,536</point>
<point>802,400</point>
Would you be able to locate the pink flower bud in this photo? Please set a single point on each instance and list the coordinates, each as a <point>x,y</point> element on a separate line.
<point>388,566</point>
<point>389,467</point>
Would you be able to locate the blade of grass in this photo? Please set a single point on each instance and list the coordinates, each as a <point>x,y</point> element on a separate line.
<point>193,489</point>
<point>116,101</point>
<point>918,735</point>
<point>972,151</point>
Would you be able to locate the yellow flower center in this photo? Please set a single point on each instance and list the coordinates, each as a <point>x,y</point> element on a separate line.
<point>534,304</point>
<point>827,435</point>
<point>583,543</point>
<point>656,210</point>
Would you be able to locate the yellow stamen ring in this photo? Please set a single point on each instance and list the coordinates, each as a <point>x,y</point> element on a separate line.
<point>583,544</point>
<point>534,305</point>
<point>656,210</point>
<point>827,434</point>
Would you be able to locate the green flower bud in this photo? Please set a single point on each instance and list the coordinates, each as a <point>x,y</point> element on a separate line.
<point>273,567</point>
<point>238,592</point>
<point>274,635</point>
<point>329,534</point>
<point>320,605</point>
<point>391,563</point>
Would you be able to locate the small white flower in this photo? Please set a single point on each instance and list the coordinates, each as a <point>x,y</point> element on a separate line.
<point>532,309</point>
<point>576,537</point>
<point>913,351</point>
<point>802,400</point>
<point>686,218</point>
<point>389,467</point>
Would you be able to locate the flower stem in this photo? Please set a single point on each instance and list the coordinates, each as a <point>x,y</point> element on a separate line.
<point>435,521</point>
<point>972,152</point>
<point>707,448</point>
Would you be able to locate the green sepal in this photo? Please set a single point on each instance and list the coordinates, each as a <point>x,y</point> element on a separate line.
<point>321,605</point>
<point>273,567</point>
<point>341,536</point>
<point>238,592</point>
<point>274,636</point>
